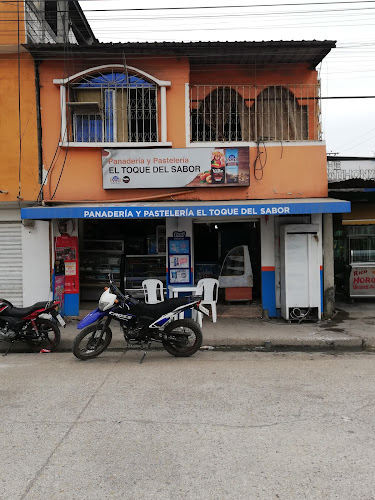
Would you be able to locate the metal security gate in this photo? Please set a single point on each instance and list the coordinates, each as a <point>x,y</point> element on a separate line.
<point>11,262</point>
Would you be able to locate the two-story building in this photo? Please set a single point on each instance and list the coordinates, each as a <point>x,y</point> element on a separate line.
<point>184,160</point>
<point>25,279</point>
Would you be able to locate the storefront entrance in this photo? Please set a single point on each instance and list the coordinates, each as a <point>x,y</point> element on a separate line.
<point>212,244</point>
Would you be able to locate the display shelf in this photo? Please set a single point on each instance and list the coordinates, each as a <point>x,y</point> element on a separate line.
<point>97,284</point>
<point>98,259</point>
<point>108,252</point>
<point>153,255</point>
<point>141,267</point>
<point>103,246</point>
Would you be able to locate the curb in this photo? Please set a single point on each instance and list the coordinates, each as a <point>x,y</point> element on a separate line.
<point>351,344</point>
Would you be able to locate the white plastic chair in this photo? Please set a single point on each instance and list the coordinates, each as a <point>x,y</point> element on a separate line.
<point>209,288</point>
<point>153,290</point>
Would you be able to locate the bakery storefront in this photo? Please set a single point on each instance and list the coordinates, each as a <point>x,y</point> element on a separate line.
<point>181,242</point>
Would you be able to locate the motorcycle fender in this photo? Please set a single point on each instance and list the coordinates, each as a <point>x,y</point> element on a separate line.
<point>91,318</point>
<point>203,310</point>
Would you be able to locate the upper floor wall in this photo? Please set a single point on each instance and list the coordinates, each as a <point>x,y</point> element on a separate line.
<point>112,105</point>
<point>164,102</point>
<point>21,22</point>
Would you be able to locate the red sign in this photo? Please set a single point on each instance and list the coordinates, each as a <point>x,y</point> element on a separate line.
<point>66,249</point>
<point>362,281</point>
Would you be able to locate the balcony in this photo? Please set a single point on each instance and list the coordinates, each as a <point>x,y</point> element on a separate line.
<point>254,113</point>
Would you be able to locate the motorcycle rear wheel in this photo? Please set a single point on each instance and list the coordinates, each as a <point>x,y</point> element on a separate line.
<point>184,338</point>
<point>48,338</point>
<point>84,345</point>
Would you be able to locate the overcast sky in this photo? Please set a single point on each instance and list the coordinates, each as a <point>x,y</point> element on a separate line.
<point>349,70</point>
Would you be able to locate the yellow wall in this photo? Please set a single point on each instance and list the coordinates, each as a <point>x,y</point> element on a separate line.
<point>291,171</point>
<point>12,16</point>
<point>17,175</point>
<point>10,125</point>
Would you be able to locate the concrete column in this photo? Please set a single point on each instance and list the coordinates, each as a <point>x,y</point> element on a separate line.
<point>328,267</point>
<point>267,241</point>
<point>62,21</point>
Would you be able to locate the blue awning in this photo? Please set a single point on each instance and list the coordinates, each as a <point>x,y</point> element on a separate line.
<point>189,209</point>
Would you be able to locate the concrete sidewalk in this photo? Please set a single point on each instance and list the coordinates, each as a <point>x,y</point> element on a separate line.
<point>352,328</point>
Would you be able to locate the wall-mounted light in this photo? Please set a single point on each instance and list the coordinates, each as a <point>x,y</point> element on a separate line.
<point>3,192</point>
<point>216,226</point>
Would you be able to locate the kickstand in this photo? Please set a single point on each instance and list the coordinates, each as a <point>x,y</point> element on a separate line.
<point>9,348</point>
<point>145,351</point>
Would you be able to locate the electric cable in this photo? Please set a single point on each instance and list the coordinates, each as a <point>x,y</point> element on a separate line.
<point>19,104</point>
<point>212,7</point>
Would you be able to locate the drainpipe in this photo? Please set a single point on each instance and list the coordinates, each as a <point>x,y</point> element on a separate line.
<point>38,124</point>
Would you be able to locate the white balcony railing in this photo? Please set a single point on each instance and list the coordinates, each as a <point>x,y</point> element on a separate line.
<point>250,113</point>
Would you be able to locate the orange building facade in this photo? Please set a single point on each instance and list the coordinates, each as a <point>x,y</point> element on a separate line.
<point>218,145</point>
<point>24,279</point>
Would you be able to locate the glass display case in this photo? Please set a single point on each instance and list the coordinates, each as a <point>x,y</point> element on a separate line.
<point>236,275</point>
<point>141,267</point>
<point>98,258</point>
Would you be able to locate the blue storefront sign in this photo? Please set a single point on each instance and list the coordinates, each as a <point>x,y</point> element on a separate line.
<point>198,209</point>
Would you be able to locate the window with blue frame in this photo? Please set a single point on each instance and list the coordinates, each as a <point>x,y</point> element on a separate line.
<point>113,107</point>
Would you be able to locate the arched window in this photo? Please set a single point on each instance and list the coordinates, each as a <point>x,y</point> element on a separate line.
<point>277,116</point>
<point>221,116</point>
<point>114,107</point>
<point>251,113</point>
<point>113,104</point>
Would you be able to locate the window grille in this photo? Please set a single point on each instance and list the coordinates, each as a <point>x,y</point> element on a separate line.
<point>113,107</point>
<point>254,113</point>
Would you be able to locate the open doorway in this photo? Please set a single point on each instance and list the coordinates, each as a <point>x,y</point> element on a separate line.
<point>214,240</point>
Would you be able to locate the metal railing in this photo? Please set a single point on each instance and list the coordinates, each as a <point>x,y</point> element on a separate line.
<point>118,111</point>
<point>254,113</point>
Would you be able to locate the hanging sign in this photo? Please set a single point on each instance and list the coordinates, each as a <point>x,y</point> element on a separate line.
<point>164,168</point>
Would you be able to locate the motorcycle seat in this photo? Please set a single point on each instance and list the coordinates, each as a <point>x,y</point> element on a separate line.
<point>20,312</point>
<point>154,311</point>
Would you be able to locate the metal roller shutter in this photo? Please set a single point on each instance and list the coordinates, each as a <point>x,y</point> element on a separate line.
<point>11,263</point>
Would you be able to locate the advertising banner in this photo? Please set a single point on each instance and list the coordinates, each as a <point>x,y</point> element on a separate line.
<point>171,168</point>
<point>66,250</point>
<point>179,254</point>
<point>344,170</point>
<point>362,281</point>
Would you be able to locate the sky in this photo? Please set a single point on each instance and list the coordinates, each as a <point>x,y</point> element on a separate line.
<point>348,71</point>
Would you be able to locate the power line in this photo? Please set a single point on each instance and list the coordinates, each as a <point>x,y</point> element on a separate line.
<point>214,7</point>
<point>211,7</point>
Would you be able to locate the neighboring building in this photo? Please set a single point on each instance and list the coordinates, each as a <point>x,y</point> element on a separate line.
<point>160,158</point>
<point>24,278</point>
<point>353,178</point>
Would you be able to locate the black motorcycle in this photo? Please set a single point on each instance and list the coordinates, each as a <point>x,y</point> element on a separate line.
<point>36,325</point>
<point>141,325</point>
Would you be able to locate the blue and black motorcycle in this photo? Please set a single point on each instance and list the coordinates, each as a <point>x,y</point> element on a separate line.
<point>141,323</point>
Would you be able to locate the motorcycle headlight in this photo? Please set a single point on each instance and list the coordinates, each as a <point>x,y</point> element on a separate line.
<point>107,300</point>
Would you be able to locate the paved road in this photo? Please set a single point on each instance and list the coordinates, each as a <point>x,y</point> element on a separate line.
<point>217,426</point>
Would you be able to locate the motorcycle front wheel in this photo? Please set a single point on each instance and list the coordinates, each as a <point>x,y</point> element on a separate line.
<point>183,338</point>
<point>88,344</point>
<point>48,336</point>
